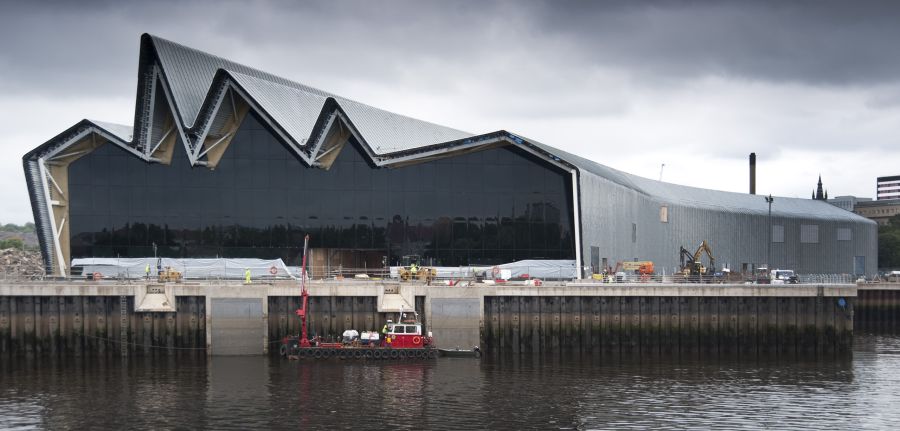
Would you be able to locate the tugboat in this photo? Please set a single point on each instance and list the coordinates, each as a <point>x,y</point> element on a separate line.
<point>402,340</point>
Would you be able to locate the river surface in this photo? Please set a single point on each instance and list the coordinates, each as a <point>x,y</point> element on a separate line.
<point>456,393</point>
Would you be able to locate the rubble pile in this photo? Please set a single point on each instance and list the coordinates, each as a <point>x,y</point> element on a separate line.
<point>19,263</point>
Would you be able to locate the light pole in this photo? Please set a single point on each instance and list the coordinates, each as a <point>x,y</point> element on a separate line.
<point>769,200</point>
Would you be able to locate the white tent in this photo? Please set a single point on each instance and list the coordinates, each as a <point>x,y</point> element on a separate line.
<point>190,268</point>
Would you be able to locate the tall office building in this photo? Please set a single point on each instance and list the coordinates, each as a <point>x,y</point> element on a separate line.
<point>888,187</point>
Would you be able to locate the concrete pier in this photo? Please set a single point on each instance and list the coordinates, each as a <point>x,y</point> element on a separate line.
<point>878,307</point>
<point>232,318</point>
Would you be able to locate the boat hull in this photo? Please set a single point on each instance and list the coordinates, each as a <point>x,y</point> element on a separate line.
<point>357,353</point>
<point>456,353</point>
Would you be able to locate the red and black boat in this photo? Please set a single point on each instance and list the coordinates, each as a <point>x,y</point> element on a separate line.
<point>404,339</point>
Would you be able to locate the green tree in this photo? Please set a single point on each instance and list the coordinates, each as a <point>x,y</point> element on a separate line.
<point>889,244</point>
<point>10,227</point>
<point>11,243</point>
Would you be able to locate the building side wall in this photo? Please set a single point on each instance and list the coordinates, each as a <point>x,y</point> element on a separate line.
<point>623,224</point>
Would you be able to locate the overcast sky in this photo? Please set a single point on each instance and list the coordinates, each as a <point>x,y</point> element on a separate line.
<point>812,87</point>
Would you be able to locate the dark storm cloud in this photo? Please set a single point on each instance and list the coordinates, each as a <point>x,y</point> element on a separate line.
<point>54,47</point>
<point>818,42</point>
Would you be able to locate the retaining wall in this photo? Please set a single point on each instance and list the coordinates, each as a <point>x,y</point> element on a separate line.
<point>79,317</point>
<point>667,325</point>
<point>878,308</point>
<point>73,325</point>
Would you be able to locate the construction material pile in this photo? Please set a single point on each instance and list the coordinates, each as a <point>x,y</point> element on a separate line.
<point>15,263</point>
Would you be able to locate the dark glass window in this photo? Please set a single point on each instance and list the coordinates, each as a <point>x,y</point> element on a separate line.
<point>492,206</point>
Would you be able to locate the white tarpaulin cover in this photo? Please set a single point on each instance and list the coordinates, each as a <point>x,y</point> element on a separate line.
<point>543,269</point>
<point>189,268</point>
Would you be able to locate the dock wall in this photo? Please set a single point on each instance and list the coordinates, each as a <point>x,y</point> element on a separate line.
<point>878,308</point>
<point>52,325</point>
<point>231,318</point>
<point>745,326</point>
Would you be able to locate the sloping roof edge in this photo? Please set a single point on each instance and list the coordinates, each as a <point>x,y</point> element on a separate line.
<point>381,156</point>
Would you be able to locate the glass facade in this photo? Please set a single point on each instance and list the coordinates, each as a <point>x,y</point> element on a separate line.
<point>492,206</point>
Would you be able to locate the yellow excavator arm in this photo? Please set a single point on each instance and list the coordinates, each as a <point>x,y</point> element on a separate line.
<point>705,248</point>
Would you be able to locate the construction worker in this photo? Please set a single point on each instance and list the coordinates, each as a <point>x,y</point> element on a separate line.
<point>247,276</point>
<point>147,271</point>
<point>413,269</point>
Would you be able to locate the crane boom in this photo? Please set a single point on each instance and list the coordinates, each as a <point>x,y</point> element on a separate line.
<point>304,297</point>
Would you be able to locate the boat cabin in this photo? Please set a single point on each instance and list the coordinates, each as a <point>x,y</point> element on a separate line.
<point>407,333</point>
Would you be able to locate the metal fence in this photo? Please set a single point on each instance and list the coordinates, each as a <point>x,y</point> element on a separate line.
<point>455,277</point>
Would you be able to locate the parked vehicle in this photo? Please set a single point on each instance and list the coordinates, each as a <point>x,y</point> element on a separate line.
<point>783,276</point>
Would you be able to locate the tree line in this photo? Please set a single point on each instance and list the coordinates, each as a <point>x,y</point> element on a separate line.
<point>15,242</point>
<point>11,227</point>
<point>889,244</point>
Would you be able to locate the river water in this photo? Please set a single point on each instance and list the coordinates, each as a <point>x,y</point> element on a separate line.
<point>456,393</point>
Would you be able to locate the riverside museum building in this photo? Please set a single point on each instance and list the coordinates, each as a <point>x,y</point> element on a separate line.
<point>224,160</point>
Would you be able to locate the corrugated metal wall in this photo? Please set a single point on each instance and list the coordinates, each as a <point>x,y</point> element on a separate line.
<point>624,225</point>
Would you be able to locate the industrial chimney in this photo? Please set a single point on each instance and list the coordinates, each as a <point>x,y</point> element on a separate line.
<point>752,173</point>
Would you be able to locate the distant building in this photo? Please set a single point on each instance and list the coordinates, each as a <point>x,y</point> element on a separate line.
<point>847,202</point>
<point>879,211</point>
<point>817,194</point>
<point>888,188</point>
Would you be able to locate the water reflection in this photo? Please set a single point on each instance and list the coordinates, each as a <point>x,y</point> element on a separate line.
<point>450,393</point>
<point>237,392</point>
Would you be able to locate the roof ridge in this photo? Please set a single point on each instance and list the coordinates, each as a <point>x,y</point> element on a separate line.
<point>231,66</point>
<point>268,75</point>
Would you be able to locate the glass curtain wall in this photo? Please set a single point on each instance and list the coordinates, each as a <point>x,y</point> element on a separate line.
<point>492,206</point>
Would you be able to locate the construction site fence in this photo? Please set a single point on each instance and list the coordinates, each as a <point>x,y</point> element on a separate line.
<point>462,276</point>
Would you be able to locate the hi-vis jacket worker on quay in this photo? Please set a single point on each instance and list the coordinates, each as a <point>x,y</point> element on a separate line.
<point>147,271</point>
<point>247,276</point>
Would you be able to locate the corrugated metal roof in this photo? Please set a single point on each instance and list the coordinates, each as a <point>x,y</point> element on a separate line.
<point>295,110</point>
<point>120,131</point>
<point>707,198</point>
<point>294,106</point>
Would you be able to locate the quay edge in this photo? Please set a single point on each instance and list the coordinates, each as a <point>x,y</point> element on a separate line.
<point>232,318</point>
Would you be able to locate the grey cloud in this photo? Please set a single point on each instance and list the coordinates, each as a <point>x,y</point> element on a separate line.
<point>564,72</point>
<point>820,42</point>
<point>54,47</point>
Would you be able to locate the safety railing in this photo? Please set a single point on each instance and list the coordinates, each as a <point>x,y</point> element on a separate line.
<point>450,277</point>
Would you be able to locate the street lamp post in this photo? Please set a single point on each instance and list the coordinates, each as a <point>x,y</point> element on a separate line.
<point>769,200</point>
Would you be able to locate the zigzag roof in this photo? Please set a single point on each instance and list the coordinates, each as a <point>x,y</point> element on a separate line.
<point>185,92</point>
<point>195,82</point>
<point>190,74</point>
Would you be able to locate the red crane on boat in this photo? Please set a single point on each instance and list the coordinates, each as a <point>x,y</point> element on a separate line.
<point>304,297</point>
<point>404,339</point>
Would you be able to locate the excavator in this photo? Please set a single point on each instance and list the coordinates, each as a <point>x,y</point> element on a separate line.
<point>692,267</point>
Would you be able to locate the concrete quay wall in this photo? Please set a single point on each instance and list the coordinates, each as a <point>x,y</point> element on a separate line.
<point>232,318</point>
<point>878,308</point>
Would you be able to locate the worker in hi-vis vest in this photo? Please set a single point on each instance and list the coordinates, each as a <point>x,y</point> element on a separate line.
<point>147,271</point>
<point>247,276</point>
